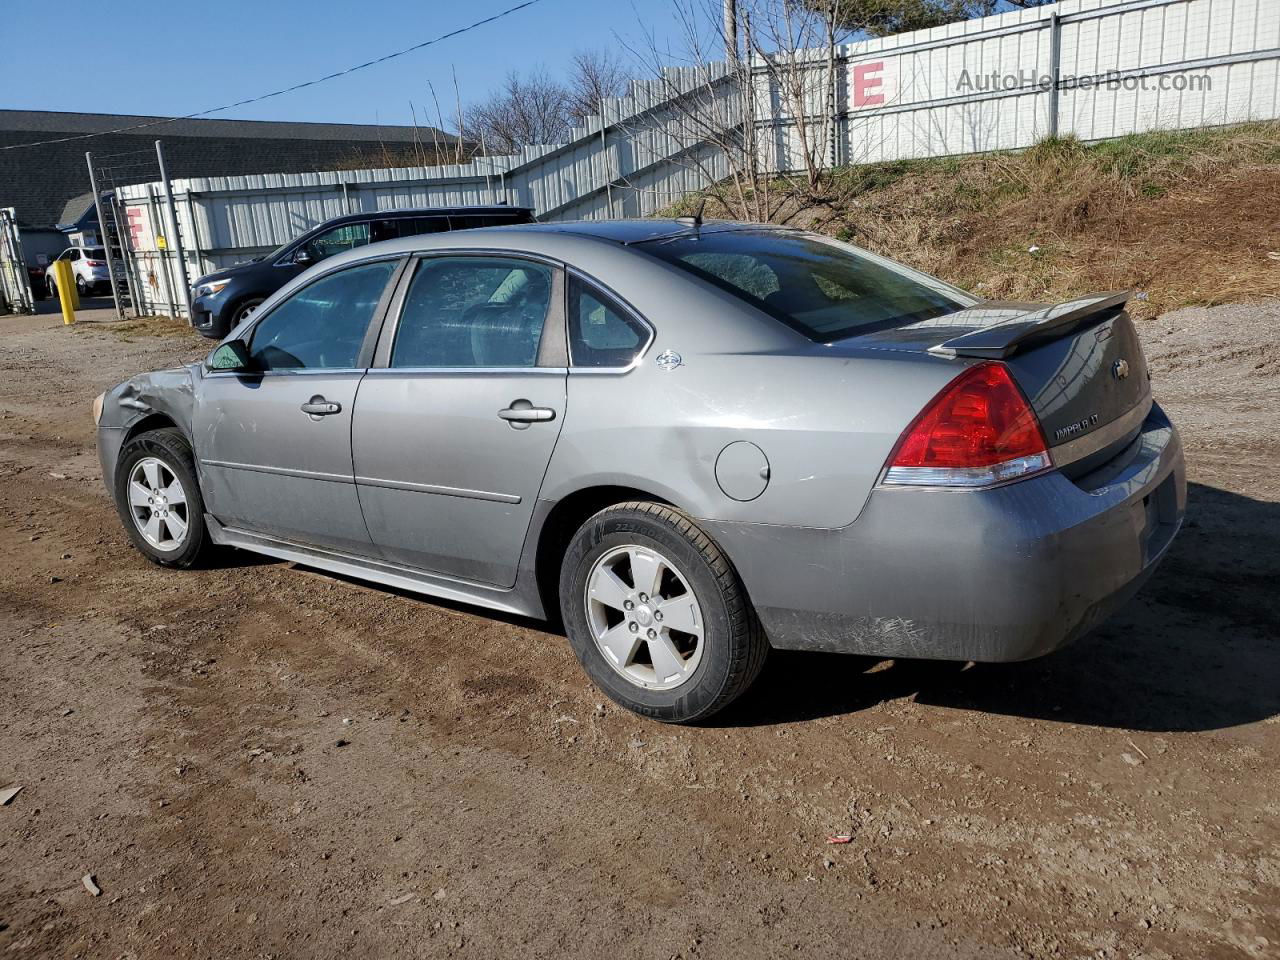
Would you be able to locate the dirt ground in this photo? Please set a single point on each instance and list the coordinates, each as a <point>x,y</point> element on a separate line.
<point>257,761</point>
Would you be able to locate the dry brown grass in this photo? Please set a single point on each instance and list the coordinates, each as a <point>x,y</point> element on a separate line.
<point>1186,217</point>
<point>128,330</point>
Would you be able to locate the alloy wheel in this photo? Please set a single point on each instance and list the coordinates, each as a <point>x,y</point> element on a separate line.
<point>243,314</point>
<point>644,617</point>
<point>158,504</point>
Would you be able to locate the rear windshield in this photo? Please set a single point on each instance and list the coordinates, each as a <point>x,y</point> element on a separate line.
<point>825,290</point>
<point>95,253</point>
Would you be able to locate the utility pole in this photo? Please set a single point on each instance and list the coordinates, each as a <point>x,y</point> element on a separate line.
<point>106,236</point>
<point>731,30</point>
<point>177,236</point>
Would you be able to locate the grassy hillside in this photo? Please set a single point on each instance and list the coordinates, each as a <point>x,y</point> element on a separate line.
<point>1186,217</point>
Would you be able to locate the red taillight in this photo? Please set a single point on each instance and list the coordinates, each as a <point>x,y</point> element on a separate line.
<point>96,263</point>
<point>979,430</point>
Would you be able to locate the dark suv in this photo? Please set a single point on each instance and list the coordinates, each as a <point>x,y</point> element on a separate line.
<point>224,298</point>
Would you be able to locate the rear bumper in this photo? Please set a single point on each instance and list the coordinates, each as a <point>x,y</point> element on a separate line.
<point>1007,573</point>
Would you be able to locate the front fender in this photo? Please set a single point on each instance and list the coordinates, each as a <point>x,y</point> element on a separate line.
<point>162,395</point>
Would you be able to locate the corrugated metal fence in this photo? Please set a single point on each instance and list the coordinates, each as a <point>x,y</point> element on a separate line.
<point>1089,68</point>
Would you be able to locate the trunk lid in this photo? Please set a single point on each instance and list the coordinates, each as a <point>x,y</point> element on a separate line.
<point>1079,363</point>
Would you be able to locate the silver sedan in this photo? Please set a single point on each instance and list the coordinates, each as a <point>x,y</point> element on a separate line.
<point>689,442</point>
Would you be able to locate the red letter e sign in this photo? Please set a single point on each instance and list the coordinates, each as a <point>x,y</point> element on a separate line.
<point>866,79</point>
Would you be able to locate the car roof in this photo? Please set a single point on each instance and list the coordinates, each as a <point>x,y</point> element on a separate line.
<point>627,232</point>
<point>563,240</point>
<point>489,209</point>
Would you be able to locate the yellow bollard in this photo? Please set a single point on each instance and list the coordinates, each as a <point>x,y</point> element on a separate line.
<point>65,281</point>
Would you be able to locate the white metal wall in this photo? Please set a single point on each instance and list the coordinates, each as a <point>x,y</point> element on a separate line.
<point>1089,68</point>
<point>1121,66</point>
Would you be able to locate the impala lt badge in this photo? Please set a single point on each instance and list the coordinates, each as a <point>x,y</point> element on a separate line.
<point>1080,426</point>
<point>1120,369</point>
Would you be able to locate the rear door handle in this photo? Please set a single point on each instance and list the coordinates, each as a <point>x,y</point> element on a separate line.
<point>521,413</point>
<point>318,407</point>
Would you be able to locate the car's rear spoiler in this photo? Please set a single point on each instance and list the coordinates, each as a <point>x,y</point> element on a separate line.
<point>1005,339</point>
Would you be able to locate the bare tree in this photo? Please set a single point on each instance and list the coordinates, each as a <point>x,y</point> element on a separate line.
<point>703,117</point>
<point>793,44</point>
<point>528,109</point>
<point>595,76</point>
<point>881,18</point>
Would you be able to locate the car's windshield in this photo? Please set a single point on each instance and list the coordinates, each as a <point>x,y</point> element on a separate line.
<point>95,253</point>
<point>823,289</point>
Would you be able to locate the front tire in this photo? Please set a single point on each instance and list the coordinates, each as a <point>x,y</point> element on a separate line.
<point>243,310</point>
<point>656,614</point>
<point>158,498</point>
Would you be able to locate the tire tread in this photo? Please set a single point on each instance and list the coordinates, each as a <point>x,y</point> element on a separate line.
<point>749,656</point>
<point>174,443</point>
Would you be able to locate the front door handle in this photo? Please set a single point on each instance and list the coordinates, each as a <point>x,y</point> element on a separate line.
<point>521,413</point>
<point>318,407</point>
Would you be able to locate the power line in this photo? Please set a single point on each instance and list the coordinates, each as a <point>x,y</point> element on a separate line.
<point>275,93</point>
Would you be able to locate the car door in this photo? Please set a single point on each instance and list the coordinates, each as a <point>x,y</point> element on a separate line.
<point>274,445</point>
<point>456,421</point>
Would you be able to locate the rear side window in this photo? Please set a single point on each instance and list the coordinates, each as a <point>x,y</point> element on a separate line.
<point>322,326</point>
<point>395,227</point>
<point>601,332</point>
<point>824,290</point>
<point>473,312</point>
<point>472,220</point>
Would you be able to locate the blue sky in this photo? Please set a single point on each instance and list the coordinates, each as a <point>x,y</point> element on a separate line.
<point>177,58</point>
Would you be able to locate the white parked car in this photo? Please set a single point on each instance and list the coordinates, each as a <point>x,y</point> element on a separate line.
<point>88,266</point>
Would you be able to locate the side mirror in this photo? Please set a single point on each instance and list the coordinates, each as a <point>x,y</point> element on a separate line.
<point>232,357</point>
<point>302,257</point>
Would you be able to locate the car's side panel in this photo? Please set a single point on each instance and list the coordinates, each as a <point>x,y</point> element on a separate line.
<point>267,466</point>
<point>825,425</point>
<point>445,483</point>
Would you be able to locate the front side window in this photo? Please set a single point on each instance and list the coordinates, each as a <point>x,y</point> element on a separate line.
<point>601,333</point>
<point>323,325</point>
<point>825,290</point>
<point>473,312</point>
<point>346,237</point>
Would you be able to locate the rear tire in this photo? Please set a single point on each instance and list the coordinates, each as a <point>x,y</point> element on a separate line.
<point>158,498</point>
<point>82,288</point>
<point>656,614</point>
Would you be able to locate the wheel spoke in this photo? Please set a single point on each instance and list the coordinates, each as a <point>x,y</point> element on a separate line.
<point>174,493</point>
<point>620,643</point>
<point>681,613</point>
<point>646,571</point>
<point>139,496</point>
<point>607,588</point>
<point>177,526</point>
<point>152,528</point>
<point>151,469</point>
<point>667,661</point>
